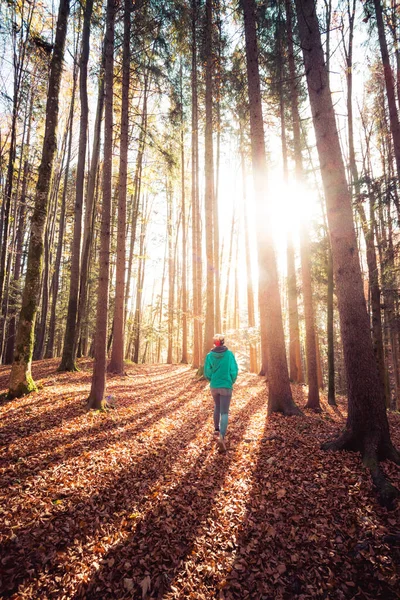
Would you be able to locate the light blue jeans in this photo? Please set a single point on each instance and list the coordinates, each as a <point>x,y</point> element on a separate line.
<point>222,399</point>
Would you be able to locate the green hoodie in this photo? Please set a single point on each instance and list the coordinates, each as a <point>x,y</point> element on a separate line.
<point>221,368</point>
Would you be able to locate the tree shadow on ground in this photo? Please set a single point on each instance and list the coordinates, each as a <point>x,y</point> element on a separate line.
<point>13,427</point>
<point>41,546</point>
<point>93,437</point>
<point>164,537</point>
<point>308,533</point>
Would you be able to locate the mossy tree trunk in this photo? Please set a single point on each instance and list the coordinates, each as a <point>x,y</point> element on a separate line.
<point>21,381</point>
<point>280,395</point>
<point>367,428</point>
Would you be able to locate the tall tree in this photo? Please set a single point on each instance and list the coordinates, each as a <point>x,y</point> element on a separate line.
<point>96,397</point>
<point>21,381</point>
<point>280,395</point>
<point>295,365</point>
<point>117,355</point>
<point>209,185</point>
<point>184,358</point>
<point>367,428</point>
<point>88,230</point>
<point>70,338</point>
<point>311,342</point>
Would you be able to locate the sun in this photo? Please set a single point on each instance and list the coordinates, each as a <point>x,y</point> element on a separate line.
<point>292,206</point>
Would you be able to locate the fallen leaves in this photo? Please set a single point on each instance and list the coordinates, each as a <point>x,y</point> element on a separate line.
<point>137,503</point>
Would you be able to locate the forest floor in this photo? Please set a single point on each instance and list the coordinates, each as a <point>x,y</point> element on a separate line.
<point>138,503</point>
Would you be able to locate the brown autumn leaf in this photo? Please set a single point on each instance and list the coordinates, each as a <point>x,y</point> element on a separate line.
<point>145,584</point>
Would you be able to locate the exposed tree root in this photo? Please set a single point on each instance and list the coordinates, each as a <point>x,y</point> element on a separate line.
<point>68,367</point>
<point>104,407</point>
<point>393,455</point>
<point>292,410</point>
<point>387,493</point>
<point>316,409</point>
<point>344,442</point>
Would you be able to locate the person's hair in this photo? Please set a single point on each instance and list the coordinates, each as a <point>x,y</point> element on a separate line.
<point>219,337</point>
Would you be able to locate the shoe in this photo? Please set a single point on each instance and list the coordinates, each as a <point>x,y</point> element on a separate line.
<point>221,444</point>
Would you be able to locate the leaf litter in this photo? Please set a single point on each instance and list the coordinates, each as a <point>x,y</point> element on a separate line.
<point>138,503</point>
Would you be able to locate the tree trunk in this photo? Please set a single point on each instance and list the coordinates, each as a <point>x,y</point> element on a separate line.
<point>209,187</point>
<point>196,239</point>
<point>311,355</point>
<point>389,81</point>
<point>21,381</point>
<point>139,287</point>
<point>171,273</point>
<point>19,240</point>
<point>61,228</point>
<point>251,321</point>
<point>228,275</point>
<point>184,358</point>
<point>70,338</point>
<point>330,331</point>
<point>117,355</point>
<point>367,428</point>
<point>218,91</point>
<point>311,341</point>
<point>280,395</point>
<point>92,186</point>
<point>296,368</point>
<point>96,397</point>
<point>136,191</point>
